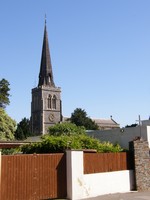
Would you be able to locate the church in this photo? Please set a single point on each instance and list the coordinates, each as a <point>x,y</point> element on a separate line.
<point>46,104</point>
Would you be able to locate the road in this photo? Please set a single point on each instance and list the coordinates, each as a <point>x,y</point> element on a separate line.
<point>124,196</point>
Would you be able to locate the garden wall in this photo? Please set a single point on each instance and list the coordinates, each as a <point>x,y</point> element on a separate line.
<point>141,153</point>
<point>88,174</point>
<point>81,186</point>
<point>122,136</point>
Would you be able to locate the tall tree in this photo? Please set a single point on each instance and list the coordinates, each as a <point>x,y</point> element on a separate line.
<point>7,126</point>
<point>80,118</point>
<point>4,93</point>
<point>23,129</point>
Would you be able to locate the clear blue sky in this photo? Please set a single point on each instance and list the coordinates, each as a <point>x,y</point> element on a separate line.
<point>100,51</point>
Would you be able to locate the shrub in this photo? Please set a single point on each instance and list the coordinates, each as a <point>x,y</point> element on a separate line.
<point>68,136</point>
<point>58,144</point>
<point>9,151</point>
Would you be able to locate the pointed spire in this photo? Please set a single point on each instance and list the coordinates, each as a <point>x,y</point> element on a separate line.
<point>46,73</point>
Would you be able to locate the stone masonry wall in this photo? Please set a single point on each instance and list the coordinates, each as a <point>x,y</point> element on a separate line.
<point>141,157</point>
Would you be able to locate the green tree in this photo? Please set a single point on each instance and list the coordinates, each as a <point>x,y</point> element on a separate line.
<point>23,129</point>
<point>132,125</point>
<point>7,126</point>
<point>80,118</point>
<point>4,93</point>
<point>66,128</point>
<point>19,135</point>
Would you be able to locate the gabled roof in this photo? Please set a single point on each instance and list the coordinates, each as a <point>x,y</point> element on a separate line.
<point>109,123</point>
<point>106,122</point>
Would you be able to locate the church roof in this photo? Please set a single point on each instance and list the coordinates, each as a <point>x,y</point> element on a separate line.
<point>102,123</point>
<point>46,73</point>
<point>108,123</point>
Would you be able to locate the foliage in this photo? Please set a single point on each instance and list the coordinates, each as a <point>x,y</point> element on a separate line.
<point>66,128</point>
<point>4,93</point>
<point>23,129</point>
<point>7,126</point>
<point>68,136</point>
<point>132,125</point>
<point>79,117</point>
<point>9,151</point>
<point>55,144</point>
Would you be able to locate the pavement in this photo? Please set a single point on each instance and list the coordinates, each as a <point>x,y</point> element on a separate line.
<point>124,196</point>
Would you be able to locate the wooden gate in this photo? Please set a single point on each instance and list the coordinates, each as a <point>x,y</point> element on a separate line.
<point>33,177</point>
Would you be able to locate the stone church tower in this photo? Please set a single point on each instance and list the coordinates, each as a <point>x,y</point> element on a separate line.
<point>46,100</point>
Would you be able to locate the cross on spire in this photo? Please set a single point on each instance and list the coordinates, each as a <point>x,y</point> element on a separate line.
<point>45,19</point>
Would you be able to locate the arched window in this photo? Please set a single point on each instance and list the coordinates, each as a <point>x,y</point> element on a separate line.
<point>54,102</point>
<point>49,102</point>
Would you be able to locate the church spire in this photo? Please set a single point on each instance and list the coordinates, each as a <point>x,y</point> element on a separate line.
<point>46,73</point>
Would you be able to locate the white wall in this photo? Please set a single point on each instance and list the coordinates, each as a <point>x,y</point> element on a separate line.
<point>82,186</point>
<point>74,174</point>
<point>105,183</point>
<point>122,136</point>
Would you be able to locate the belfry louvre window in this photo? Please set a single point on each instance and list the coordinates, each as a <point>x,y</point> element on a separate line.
<point>54,102</point>
<point>49,102</point>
